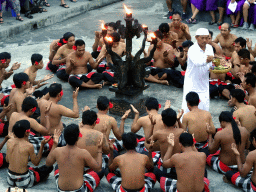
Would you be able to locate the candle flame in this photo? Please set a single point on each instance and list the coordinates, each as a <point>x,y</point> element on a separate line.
<point>152,35</point>
<point>144,26</point>
<point>109,39</point>
<point>103,26</point>
<point>127,10</point>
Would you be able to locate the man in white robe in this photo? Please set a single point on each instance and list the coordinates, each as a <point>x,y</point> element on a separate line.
<point>200,56</point>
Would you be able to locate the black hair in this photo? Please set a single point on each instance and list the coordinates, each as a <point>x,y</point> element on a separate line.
<point>20,127</point>
<point>113,25</point>
<point>186,139</point>
<point>19,78</point>
<point>238,94</point>
<point>244,53</point>
<point>71,134</point>
<point>115,36</point>
<point>253,135</point>
<point>254,68</point>
<point>55,89</point>
<point>28,103</point>
<point>192,98</point>
<point>187,43</point>
<point>226,116</point>
<point>102,103</point>
<point>89,117</point>
<point>36,57</point>
<point>151,103</point>
<point>252,62</point>
<point>79,42</point>
<point>176,13</point>
<point>65,37</point>
<point>129,141</point>
<point>210,32</point>
<point>5,55</point>
<point>250,79</point>
<point>242,41</point>
<point>164,27</point>
<point>159,34</point>
<point>214,50</point>
<point>169,117</point>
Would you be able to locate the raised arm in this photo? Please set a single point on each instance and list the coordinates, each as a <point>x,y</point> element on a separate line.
<point>68,112</point>
<point>167,163</point>
<point>213,145</point>
<point>136,124</point>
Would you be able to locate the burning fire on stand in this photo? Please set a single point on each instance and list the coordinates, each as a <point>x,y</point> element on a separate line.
<point>103,26</point>
<point>127,10</point>
<point>145,27</point>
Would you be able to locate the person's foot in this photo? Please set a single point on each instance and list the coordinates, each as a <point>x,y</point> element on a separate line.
<point>219,23</point>
<point>19,18</point>
<point>28,15</point>
<point>252,28</point>
<point>46,4</point>
<point>184,16</point>
<point>191,21</point>
<point>169,13</point>
<point>164,82</point>
<point>245,26</point>
<point>64,5</point>
<point>212,22</point>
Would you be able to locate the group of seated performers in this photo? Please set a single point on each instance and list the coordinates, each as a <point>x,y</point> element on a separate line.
<point>174,149</point>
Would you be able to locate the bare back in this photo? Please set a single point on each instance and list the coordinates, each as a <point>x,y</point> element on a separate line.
<point>16,98</point>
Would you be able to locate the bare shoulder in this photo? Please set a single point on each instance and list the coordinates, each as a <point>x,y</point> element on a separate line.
<point>234,36</point>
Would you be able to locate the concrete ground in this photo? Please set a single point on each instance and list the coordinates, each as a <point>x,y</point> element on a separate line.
<point>149,12</point>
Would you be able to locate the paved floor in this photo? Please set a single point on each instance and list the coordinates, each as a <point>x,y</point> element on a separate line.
<point>149,12</point>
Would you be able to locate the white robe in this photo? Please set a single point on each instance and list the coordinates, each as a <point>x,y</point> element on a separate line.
<point>197,76</point>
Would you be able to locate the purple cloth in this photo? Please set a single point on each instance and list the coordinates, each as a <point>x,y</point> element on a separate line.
<point>199,4</point>
<point>211,5</point>
<point>239,7</point>
<point>252,14</point>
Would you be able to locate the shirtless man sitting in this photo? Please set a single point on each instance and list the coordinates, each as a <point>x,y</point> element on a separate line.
<point>245,114</point>
<point>179,28</point>
<point>217,48</point>
<point>79,76</point>
<point>170,37</point>
<point>226,40</point>
<point>72,162</point>
<point>169,118</point>
<point>60,59</point>
<point>57,111</point>
<point>248,84</point>
<point>224,160</point>
<point>163,59</point>
<point>119,48</point>
<point>19,173</point>
<point>190,166</point>
<point>244,179</point>
<point>195,122</point>
<point>152,107</point>
<point>132,167</point>
<point>37,64</point>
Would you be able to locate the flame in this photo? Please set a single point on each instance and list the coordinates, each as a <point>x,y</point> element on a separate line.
<point>103,26</point>
<point>152,35</point>
<point>127,10</point>
<point>144,26</point>
<point>109,39</point>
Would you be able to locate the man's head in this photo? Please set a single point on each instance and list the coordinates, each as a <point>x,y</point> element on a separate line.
<point>21,128</point>
<point>111,28</point>
<point>69,38</point>
<point>80,47</point>
<point>55,91</point>
<point>29,104</point>
<point>186,44</point>
<point>89,118</point>
<point>244,56</point>
<point>37,60</point>
<point>186,140</point>
<point>159,35</point>
<point>176,19</point>
<point>239,43</point>
<point>169,117</point>
<point>249,81</point>
<point>21,80</point>
<point>192,99</point>
<point>5,59</point>
<point>151,103</point>
<point>236,96</point>
<point>202,36</point>
<point>225,29</point>
<point>164,28</point>
<point>129,141</point>
<point>102,103</point>
<point>116,38</point>
<point>71,134</point>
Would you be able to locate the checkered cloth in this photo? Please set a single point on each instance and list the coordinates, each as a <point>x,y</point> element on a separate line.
<point>201,145</point>
<point>140,145</point>
<point>243,182</point>
<point>115,182</point>
<point>62,141</point>
<point>170,185</point>
<point>36,142</point>
<point>214,162</point>
<point>91,180</point>
<point>25,180</point>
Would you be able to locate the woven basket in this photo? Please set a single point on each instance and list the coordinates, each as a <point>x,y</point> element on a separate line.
<point>220,71</point>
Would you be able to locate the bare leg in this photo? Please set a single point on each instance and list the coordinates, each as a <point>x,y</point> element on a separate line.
<point>154,80</point>
<point>237,18</point>
<point>221,12</point>
<point>91,84</point>
<point>226,93</point>
<point>213,16</point>
<point>169,5</point>
<point>245,12</point>
<point>164,77</point>
<point>232,17</point>
<point>184,5</point>
<point>193,8</point>
<point>195,13</point>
